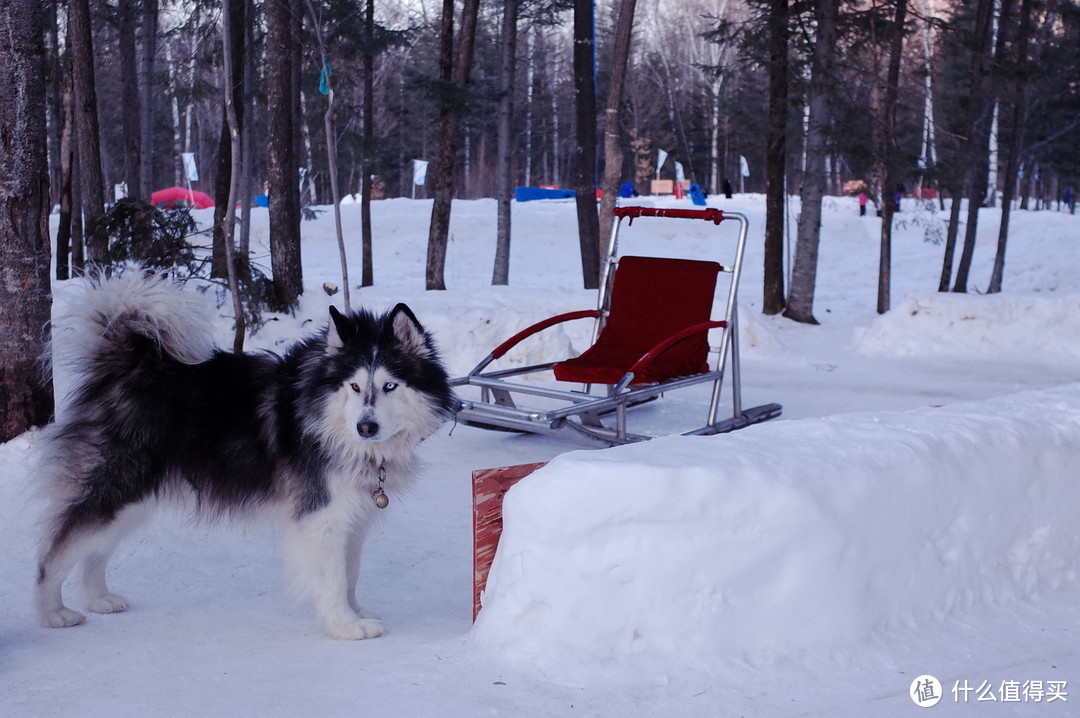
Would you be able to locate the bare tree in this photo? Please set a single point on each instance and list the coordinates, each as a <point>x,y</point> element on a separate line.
<point>367,69</point>
<point>887,130</point>
<point>613,155</point>
<point>1020,90</point>
<point>229,35</point>
<point>282,173</point>
<point>585,146</point>
<point>129,97</point>
<point>504,191</point>
<point>455,65</point>
<point>974,137</point>
<point>26,399</point>
<point>326,85</point>
<point>776,156</point>
<point>800,302</point>
<point>147,90</point>
<point>68,208</point>
<point>233,101</point>
<point>86,128</point>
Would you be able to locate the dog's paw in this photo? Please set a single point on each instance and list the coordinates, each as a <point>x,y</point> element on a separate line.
<point>62,617</point>
<point>108,603</point>
<point>355,629</point>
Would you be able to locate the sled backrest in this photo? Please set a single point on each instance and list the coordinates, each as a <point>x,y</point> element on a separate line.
<point>652,298</point>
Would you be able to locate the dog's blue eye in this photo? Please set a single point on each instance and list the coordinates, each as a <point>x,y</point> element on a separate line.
<point>355,387</point>
<point>389,386</point>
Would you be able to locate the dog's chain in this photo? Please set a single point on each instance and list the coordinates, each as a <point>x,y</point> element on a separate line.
<point>380,497</point>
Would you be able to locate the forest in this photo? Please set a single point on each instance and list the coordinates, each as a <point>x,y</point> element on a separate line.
<point>697,90</point>
<point>300,103</point>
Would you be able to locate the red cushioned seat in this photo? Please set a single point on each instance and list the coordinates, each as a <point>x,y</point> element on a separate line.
<point>652,299</point>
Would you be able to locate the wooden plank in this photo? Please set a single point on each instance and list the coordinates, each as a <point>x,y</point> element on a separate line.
<point>489,487</point>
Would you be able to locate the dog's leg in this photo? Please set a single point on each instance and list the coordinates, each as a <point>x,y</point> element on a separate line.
<point>98,597</point>
<point>316,551</point>
<point>352,568</point>
<point>57,562</point>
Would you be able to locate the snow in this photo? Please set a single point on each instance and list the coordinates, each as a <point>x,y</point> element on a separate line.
<point>911,513</point>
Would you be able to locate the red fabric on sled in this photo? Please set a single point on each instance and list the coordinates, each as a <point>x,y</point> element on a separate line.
<point>652,299</point>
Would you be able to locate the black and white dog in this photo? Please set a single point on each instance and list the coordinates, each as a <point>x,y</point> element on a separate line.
<point>319,437</point>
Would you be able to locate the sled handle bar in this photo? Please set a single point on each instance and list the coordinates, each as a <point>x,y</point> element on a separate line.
<point>711,214</point>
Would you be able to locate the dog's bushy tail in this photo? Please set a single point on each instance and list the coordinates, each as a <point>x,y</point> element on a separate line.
<point>114,310</point>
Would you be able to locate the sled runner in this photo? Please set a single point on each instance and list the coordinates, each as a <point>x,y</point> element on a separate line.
<point>650,338</point>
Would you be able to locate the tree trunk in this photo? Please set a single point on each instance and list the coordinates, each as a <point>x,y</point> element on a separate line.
<point>148,93</point>
<point>504,190</point>
<point>367,270</point>
<point>327,82</point>
<point>950,238</point>
<point>889,155</point>
<point>1014,143</point>
<point>86,127</point>
<point>613,155</point>
<point>129,97</point>
<point>227,164</point>
<point>247,180</point>
<point>978,138</point>
<point>800,303</point>
<point>26,399</point>
<point>67,168</point>
<point>282,173</point>
<point>456,64</point>
<point>231,12</point>
<point>585,146</point>
<point>776,157</point>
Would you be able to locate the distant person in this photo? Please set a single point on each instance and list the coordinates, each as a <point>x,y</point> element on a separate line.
<point>1067,197</point>
<point>862,204</point>
<point>727,188</point>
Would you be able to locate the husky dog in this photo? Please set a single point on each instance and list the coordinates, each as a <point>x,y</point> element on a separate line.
<point>320,437</point>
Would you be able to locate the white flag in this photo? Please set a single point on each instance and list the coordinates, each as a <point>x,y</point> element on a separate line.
<point>661,158</point>
<point>419,172</point>
<point>743,167</point>
<point>679,175</point>
<point>192,172</point>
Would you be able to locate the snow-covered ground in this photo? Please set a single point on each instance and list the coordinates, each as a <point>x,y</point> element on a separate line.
<point>913,512</point>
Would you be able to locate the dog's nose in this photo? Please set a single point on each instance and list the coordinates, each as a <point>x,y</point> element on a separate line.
<point>367,429</point>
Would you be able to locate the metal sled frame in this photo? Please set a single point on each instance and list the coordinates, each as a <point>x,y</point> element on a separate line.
<point>579,414</point>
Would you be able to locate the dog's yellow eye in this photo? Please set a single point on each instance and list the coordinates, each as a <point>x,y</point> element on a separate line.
<point>355,387</point>
<point>389,386</point>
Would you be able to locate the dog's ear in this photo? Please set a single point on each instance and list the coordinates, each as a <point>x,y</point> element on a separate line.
<point>408,331</point>
<point>334,330</point>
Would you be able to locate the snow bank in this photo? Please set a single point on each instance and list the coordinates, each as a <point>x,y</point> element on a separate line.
<point>682,553</point>
<point>993,325</point>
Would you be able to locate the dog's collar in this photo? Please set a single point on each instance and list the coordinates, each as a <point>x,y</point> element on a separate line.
<point>379,495</point>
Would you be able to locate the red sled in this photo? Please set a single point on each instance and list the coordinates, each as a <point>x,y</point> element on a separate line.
<point>650,338</point>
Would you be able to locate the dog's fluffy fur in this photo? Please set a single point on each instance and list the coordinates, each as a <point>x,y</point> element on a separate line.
<point>159,411</point>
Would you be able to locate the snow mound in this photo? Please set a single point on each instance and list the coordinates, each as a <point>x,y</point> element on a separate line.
<point>994,325</point>
<point>679,554</point>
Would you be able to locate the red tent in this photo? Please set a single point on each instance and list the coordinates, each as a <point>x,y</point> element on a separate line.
<point>170,197</point>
